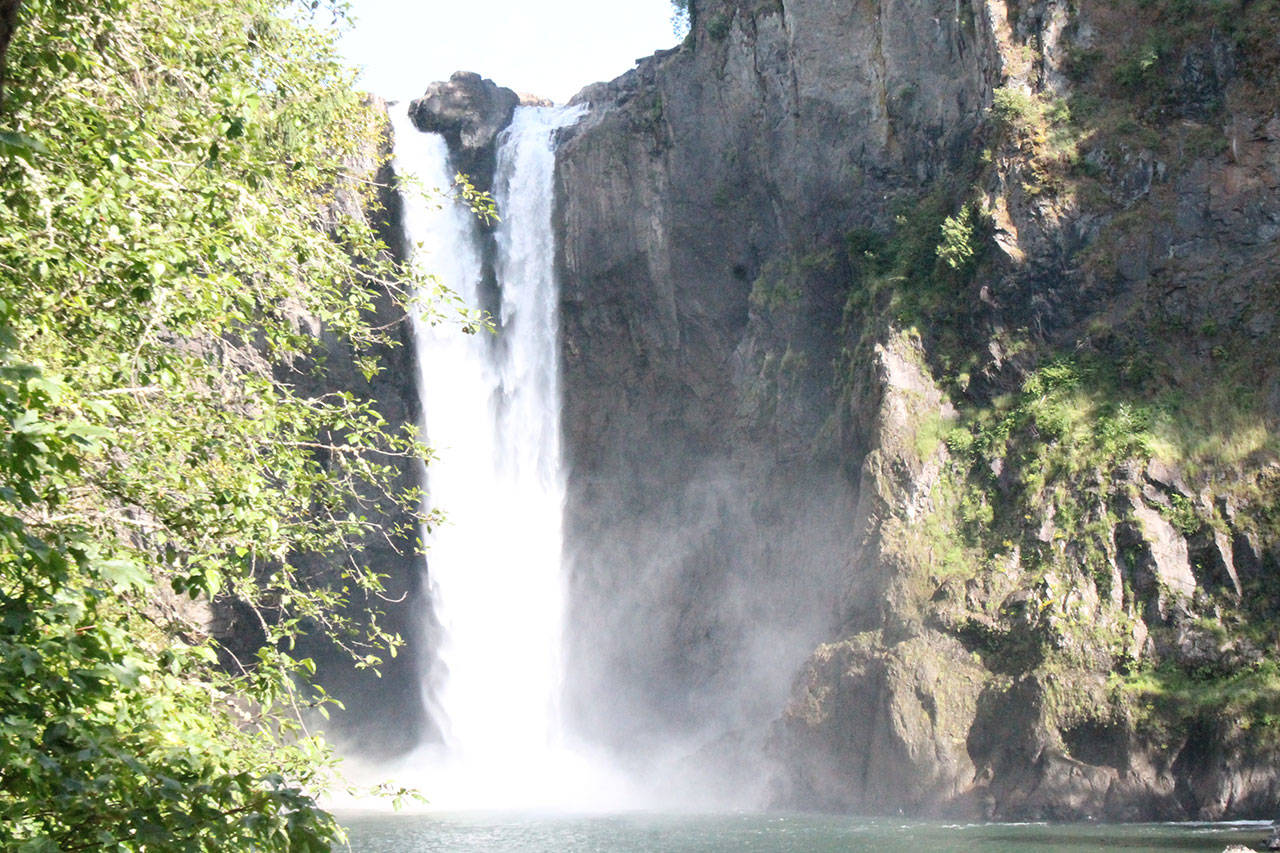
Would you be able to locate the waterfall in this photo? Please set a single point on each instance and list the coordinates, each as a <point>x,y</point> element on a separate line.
<point>491,412</point>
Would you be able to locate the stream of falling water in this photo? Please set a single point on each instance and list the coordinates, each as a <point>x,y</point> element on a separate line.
<point>491,412</point>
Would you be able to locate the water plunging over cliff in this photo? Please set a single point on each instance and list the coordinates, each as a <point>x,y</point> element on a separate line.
<point>492,413</point>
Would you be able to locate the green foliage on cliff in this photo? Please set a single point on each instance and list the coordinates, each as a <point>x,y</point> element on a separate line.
<point>1038,466</point>
<point>167,234</point>
<point>682,12</point>
<point>1168,700</point>
<point>921,264</point>
<point>917,274</point>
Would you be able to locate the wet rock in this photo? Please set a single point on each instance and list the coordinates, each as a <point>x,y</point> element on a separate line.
<point>882,729</point>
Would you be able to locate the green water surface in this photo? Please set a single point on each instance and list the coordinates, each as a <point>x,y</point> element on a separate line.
<point>747,833</point>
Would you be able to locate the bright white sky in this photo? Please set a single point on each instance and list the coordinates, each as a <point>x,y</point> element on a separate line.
<point>547,47</point>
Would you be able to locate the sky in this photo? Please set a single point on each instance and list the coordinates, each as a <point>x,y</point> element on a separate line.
<point>544,47</point>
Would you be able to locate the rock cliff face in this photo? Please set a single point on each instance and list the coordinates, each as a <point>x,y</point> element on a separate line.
<point>921,403</point>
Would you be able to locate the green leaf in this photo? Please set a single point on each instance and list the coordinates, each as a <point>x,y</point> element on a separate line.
<point>20,145</point>
<point>123,574</point>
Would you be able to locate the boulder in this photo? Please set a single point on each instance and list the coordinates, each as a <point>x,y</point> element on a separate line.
<point>469,111</point>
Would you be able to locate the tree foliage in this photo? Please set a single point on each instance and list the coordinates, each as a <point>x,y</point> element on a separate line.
<point>167,237</point>
<point>682,15</point>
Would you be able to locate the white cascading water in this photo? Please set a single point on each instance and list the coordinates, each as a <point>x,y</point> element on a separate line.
<point>492,414</point>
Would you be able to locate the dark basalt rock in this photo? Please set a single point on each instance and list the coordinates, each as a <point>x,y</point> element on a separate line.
<point>747,475</point>
<point>469,111</point>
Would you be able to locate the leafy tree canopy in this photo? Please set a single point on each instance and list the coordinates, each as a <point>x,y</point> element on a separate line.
<point>167,235</point>
<point>682,12</point>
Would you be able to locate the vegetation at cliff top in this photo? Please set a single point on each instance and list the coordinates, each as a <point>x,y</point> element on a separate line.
<point>167,234</point>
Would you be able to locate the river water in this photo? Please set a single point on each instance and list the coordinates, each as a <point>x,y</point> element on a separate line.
<point>643,832</point>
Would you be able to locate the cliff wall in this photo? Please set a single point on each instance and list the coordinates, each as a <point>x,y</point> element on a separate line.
<point>921,404</point>
<point>383,712</point>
